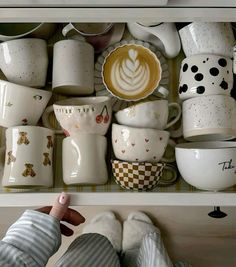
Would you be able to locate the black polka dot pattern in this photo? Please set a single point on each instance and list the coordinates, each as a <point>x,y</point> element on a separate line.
<point>200,89</point>
<point>222,62</point>
<point>199,77</point>
<point>183,88</point>
<point>185,67</point>
<point>194,68</point>
<point>214,71</point>
<point>224,85</point>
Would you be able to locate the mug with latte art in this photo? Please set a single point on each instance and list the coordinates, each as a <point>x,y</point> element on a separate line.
<point>131,72</point>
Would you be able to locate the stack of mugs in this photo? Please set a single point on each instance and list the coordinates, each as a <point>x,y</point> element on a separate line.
<point>209,111</point>
<point>29,149</point>
<point>139,142</point>
<point>85,121</point>
<point>206,81</point>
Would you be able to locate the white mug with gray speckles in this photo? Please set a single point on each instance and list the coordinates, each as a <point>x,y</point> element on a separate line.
<point>73,68</point>
<point>209,118</point>
<point>207,38</point>
<point>25,61</point>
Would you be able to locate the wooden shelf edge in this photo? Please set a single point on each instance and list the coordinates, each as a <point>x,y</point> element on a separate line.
<point>121,199</point>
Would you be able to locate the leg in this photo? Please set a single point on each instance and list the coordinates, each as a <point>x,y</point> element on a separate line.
<point>97,246</point>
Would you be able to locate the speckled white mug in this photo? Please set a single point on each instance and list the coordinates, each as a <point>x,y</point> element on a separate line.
<point>207,38</point>
<point>25,61</point>
<point>73,68</point>
<point>209,118</point>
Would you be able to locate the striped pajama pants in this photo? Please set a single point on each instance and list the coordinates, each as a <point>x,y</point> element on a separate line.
<point>35,237</point>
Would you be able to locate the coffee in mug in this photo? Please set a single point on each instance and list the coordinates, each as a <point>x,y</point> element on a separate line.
<point>131,72</point>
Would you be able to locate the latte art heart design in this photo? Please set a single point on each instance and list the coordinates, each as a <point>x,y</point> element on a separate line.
<point>129,73</point>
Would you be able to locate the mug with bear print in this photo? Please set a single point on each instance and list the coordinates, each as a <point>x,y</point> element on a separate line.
<point>28,157</point>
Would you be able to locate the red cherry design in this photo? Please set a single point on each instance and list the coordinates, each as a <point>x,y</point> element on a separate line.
<point>106,118</point>
<point>66,133</point>
<point>99,118</point>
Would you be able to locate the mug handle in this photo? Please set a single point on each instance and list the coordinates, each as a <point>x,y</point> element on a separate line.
<point>169,36</point>
<point>46,122</point>
<point>176,106</point>
<point>67,29</point>
<point>172,144</point>
<point>165,181</point>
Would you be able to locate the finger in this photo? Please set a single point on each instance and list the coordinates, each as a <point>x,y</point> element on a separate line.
<point>66,230</point>
<point>45,209</point>
<point>60,206</point>
<point>73,217</point>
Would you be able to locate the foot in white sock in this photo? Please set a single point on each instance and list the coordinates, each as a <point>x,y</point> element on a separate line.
<point>135,228</point>
<point>106,224</point>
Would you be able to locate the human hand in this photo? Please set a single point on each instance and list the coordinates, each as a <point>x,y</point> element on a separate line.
<point>62,212</point>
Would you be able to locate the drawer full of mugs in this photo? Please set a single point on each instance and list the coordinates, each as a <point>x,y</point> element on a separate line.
<point>125,106</point>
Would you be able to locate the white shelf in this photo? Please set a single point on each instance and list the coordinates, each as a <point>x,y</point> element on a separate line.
<point>121,199</point>
<point>165,14</point>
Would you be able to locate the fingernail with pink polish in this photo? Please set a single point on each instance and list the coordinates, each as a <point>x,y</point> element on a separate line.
<point>63,198</point>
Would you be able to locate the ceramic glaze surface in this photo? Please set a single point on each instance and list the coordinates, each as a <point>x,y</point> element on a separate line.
<point>73,68</point>
<point>205,75</point>
<point>83,159</point>
<point>86,114</point>
<point>138,144</point>
<point>25,61</point>
<point>151,114</point>
<point>28,160</point>
<point>207,38</point>
<point>209,118</point>
<point>215,163</point>
<point>15,101</point>
<point>162,35</point>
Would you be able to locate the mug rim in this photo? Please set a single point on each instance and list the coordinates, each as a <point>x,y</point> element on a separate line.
<point>66,102</point>
<point>110,25</point>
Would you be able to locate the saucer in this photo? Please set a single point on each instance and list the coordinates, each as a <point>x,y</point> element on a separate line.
<point>118,104</point>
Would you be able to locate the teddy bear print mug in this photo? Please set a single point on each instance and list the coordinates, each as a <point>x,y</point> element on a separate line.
<point>28,157</point>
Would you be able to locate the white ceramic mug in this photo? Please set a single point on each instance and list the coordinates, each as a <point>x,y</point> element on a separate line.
<point>25,61</point>
<point>28,160</point>
<point>83,159</point>
<point>81,114</point>
<point>141,144</point>
<point>151,114</point>
<point>205,74</point>
<point>208,38</point>
<point>99,35</point>
<point>209,118</point>
<point>21,105</point>
<point>162,35</point>
<point>73,68</point>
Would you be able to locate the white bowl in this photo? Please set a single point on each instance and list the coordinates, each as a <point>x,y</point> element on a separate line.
<point>207,165</point>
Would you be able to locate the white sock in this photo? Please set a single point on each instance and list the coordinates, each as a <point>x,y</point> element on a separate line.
<point>135,228</point>
<point>106,224</point>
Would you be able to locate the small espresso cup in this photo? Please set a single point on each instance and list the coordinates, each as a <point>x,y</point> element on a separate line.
<point>151,114</point>
<point>73,68</point>
<point>28,159</point>
<point>205,75</point>
<point>83,159</point>
<point>81,115</point>
<point>25,61</point>
<point>131,72</point>
<point>141,144</point>
<point>21,105</point>
<point>209,118</point>
<point>207,38</point>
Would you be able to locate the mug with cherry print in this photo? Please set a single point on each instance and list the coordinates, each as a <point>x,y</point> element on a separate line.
<point>81,114</point>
